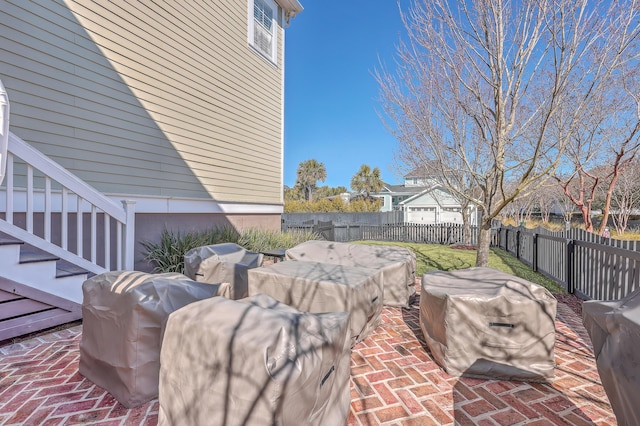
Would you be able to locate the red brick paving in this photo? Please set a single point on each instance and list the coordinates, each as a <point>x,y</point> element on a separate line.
<point>394,381</point>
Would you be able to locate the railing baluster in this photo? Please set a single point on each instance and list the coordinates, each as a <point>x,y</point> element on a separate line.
<point>107,241</point>
<point>64,219</point>
<point>47,208</point>
<point>94,229</point>
<point>29,212</point>
<point>9,180</point>
<point>119,246</point>
<point>79,248</point>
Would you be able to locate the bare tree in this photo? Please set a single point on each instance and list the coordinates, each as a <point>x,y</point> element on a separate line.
<point>625,199</point>
<point>481,88</point>
<point>546,198</point>
<point>606,143</point>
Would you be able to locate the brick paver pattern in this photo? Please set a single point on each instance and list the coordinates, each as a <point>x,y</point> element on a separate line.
<point>394,381</point>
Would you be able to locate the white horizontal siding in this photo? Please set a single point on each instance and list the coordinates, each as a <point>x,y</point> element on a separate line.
<point>162,98</point>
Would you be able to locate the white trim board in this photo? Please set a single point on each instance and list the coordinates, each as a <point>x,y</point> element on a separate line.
<point>149,204</point>
<point>144,204</point>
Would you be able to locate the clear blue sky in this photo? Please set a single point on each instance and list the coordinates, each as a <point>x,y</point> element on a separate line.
<point>332,49</point>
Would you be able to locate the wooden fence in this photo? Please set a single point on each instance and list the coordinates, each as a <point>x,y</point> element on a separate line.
<point>441,233</point>
<point>583,263</point>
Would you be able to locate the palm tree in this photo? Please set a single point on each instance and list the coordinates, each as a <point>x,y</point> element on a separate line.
<point>367,180</point>
<point>308,174</point>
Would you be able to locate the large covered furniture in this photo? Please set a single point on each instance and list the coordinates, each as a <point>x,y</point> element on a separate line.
<point>124,314</point>
<point>485,323</point>
<point>614,328</point>
<point>222,263</point>
<point>323,287</point>
<point>398,264</point>
<point>254,361</point>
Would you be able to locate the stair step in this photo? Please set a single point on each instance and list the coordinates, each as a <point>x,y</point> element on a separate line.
<point>30,254</point>
<point>66,269</point>
<point>8,240</point>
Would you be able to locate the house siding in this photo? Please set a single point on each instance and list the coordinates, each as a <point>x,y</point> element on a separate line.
<point>154,99</point>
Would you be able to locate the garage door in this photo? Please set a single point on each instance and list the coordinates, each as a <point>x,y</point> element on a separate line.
<point>422,215</point>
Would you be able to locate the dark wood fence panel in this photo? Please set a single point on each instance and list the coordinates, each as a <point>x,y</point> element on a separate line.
<point>550,259</point>
<point>605,272</point>
<point>443,233</point>
<point>582,262</point>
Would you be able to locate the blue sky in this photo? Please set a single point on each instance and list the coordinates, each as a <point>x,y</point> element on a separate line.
<point>332,50</point>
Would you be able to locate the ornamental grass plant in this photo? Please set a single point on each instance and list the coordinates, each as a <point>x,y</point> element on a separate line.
<point>167,254</point>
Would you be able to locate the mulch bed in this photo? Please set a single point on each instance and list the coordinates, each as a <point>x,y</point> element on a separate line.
<point>571,300</point>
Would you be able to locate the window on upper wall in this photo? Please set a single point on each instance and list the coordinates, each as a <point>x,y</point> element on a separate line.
<point>263,35</point>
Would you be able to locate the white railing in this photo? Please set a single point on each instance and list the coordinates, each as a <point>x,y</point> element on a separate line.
<point>48,192</point>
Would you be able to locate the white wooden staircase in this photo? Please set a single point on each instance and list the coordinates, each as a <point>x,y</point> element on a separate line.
<point>55,231</point>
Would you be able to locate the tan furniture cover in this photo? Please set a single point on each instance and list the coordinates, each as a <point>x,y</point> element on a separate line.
<point>222,263</point>
<point>398,264</point>
<point>254,361</point>
<point>481,322</point>
<point>322,287</point>
<point>614,327</point>
<point>124,313</point>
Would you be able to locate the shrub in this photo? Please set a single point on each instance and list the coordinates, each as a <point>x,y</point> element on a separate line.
<point>167,255</point>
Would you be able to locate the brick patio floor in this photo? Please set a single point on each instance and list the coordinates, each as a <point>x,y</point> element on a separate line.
<point>394,381</point>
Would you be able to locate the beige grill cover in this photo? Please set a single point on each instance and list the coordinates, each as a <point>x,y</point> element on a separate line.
<point>254,362</point>
<point>398,264</point>
<point>481,322</point>
<point>322,287</point>
<point>614,327</point>
<point>222,263</point>
<point>124,313</point>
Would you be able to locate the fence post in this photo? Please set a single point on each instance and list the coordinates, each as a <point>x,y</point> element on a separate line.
<point>506,240</point>
<point>569,265</point>
<point>535,252</point>
<point>518,244</point>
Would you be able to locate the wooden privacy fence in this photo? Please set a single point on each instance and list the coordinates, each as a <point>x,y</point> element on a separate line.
<point>583,263</point>
<point>441,233</point>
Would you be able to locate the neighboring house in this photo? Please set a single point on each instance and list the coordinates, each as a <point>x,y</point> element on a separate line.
<point>176,106</point>
<point>423,200</point>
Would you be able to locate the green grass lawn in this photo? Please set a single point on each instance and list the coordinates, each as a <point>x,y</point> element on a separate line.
<point>444,258</point>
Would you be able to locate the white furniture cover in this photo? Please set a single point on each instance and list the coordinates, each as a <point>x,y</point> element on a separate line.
<point>398,264</point>
<point>254,361</point>
<point>222,263</point>
<point>485,323</point>
<point>614,327</point>
<point>322,287</point>
<point>123,316</point>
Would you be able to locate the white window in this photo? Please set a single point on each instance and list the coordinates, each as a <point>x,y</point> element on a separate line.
<point>263,35</point>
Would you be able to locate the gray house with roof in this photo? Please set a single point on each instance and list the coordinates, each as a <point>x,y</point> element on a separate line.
<point>423,199</point>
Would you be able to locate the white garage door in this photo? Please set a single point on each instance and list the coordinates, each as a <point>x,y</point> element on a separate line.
<point>422,215</point>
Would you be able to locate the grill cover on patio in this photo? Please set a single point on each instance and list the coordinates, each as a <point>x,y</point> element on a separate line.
<point>124,313</point>
<point>614,327</point>
<point>322,287</point>
<point>222,263</point>
<point>254,361</point>
<point>398,264</point>
<point>484,323</point>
